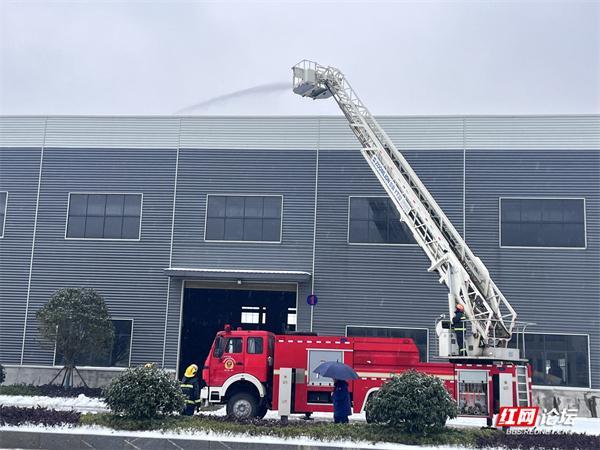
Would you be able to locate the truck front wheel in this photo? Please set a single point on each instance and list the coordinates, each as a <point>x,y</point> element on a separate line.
<point>242,406</point>
<point>262,411</point>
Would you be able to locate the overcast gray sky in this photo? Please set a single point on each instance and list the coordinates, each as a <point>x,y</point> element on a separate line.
<point>406,58</point>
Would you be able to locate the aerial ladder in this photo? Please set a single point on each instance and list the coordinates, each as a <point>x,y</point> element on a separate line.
<point>490,315</point>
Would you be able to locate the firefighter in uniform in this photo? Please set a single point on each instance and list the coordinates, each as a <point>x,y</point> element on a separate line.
<point>190,386</point>
<point>459,326</point>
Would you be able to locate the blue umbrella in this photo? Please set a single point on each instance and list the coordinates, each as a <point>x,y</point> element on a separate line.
<point>336,370</point>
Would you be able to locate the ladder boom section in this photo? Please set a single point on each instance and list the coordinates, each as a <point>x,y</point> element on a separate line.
<point>465,275</point>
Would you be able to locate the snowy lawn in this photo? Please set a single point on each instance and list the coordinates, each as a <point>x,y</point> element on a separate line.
<point>211,425</point>
<point>86,404</point>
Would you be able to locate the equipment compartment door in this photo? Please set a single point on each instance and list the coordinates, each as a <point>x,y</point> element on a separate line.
<point>473,392</point>
<point>316,357</point>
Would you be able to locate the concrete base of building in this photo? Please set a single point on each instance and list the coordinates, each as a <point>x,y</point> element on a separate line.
<point>585,401</point>
<point>37,375</point>
<point>95,377</point>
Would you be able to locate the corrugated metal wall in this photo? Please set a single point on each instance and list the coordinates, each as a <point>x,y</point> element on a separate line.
<point>19,172</point>
<point>357,285</point>
<point>127,273</point>
<point>383,285</point>
<point>251,172</point>
<point>262,133</point>
<point>559,289</point>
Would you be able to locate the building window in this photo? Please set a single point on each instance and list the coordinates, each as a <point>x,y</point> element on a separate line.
<point>118,356</point>
<point>375,220</point>
<point>557,359</point>
<point>418,335</point>
<point>104,216</point>
<point>243,218</point>
<point>254,345</point>
<point>292,319</point>
<point>3,203</point>
<point>542,222</point>
<point>254,315</point>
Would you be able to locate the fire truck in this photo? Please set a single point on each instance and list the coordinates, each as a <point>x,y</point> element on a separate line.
<point>253,371</point>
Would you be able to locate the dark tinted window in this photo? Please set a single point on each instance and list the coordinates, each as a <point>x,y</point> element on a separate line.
<point>117,356</point>
<point>243,218</point>
<point>234,345</point>
<point>556,359</point>
<point>542,222</point>
<point>375,220</point>
<point>219,347</point>
<point>255,345</point>
<point>104,216</point>
<point>417,335</point>
<point>3,201</point>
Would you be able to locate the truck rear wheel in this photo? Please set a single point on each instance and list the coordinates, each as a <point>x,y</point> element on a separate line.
<point>242,406</point>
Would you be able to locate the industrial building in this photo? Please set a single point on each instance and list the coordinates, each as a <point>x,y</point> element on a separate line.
<point>185,224</point>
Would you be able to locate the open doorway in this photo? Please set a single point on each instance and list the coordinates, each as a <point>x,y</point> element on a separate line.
<point>206,310</point>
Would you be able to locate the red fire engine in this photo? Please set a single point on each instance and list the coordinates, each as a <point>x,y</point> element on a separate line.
<point>254,371</point>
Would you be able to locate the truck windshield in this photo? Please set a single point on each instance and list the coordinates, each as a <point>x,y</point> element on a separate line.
<point>219,347</point>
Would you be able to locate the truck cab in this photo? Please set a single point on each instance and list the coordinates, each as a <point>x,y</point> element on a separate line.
<point>238,371</point>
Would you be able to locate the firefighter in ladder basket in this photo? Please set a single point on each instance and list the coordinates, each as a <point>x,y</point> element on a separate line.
<point>459,326</point>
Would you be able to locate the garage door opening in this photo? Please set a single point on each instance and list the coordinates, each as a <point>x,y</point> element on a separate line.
<point>206,310</point>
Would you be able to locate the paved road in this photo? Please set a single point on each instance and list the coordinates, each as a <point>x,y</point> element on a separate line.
<point>62,441</point>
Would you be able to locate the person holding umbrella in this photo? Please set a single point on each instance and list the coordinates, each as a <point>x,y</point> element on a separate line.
<point>340,372</point>
<point>341,402</point>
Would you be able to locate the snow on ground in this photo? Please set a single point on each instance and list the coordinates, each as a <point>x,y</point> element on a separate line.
<point>81,403</point>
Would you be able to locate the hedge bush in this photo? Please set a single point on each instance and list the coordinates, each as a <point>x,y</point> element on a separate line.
<point>16,415</point>
<point>2,376</point>
<point>144,393</point>
<point>418,402</point>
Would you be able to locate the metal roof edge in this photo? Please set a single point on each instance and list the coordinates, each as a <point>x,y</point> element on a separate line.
<point>292,116</point>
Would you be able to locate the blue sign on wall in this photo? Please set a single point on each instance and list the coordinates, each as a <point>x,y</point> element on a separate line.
<point>312,299</point>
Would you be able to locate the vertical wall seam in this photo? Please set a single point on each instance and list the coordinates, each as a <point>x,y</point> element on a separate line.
<point>464,199</point>
<point>314,249</point>
<point>171,243</point>
<point>35,220</point>
<point>181,299</point>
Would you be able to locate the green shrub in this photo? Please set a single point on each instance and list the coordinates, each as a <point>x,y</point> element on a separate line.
<point>144,393</point>
<point>417,401</point>
<point>2,377</point>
